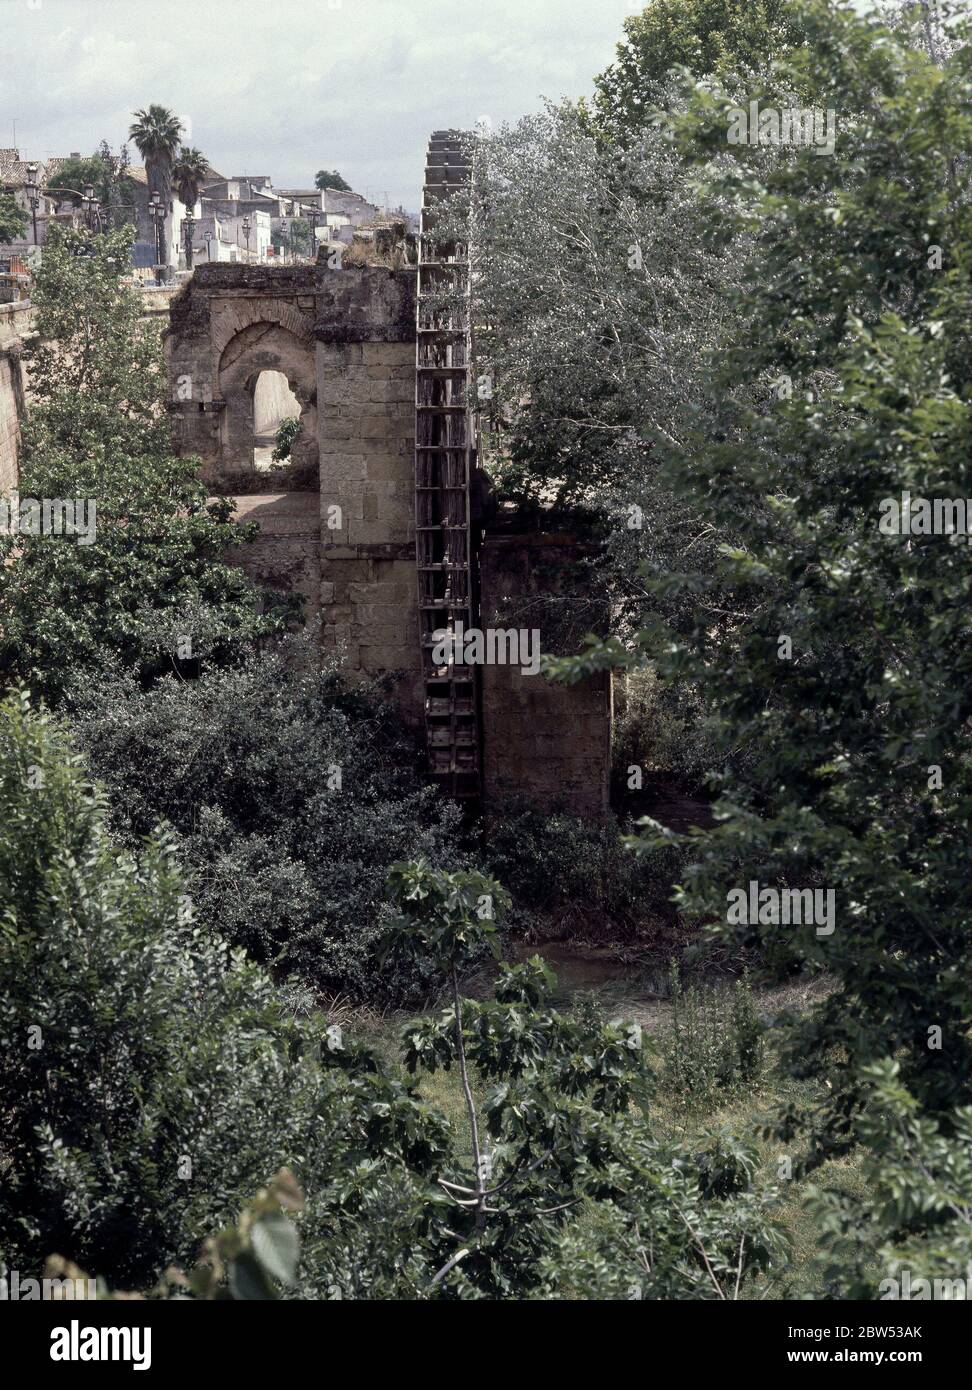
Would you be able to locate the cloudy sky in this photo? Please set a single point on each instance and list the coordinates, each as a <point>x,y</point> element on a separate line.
<point>285,87</point>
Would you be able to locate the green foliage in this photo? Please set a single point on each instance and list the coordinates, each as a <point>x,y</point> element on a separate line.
<point>128,1044</point>
<point>189,170</point>
<point>705,37</point>
<point>843,735</point>
<point>13,219</point>
<point>294,236</point>
<point>287,433</point>
<point>446,917</point>
<point>330,178</point>
<point>107,173</point>
<point>157,133</point>
<point>562,865</point>
<point>603,293</point>
<point>150,1079</point>
<point>563,1124</point>
<point>714,1046</point>
<point>74,174</point>
<point>148,587</point>
<point>291,794</point>
<point>918,1217</point>
<point>252,1258</point>
<point>148,1076</point>
<point>659,727</point>
<point>858,778</point>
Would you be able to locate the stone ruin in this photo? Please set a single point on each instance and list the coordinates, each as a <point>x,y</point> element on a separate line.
<point>376,520</point>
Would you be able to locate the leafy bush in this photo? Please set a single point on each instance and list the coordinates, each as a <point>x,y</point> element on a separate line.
<point>149,1080</point>
<point>149,1077</point>
<point>560,1132</point>
<point>287,432</point>
<point>563,865</point>
<point>290,793</point>
<point>714,1046</point>
<point>659,727</point>
<point>845,674</point>
<point>149,588</point>
<point>915,1223</point>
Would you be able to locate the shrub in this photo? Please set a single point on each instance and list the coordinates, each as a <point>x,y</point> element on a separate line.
<point>286,434</point>
<point>149,1083</point>
<point>560,1131</point>
<point>659,728</point>
<point>149,1080</point>
<point>290,794</point>
<point>560,863</point>
<point>714,1046</point>
<point>149,588</point>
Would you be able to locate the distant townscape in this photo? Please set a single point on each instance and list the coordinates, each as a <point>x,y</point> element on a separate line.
<point>184,211</point>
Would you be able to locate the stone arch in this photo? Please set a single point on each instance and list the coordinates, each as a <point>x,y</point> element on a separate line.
<point>247,312</point>
<point>267,346</point>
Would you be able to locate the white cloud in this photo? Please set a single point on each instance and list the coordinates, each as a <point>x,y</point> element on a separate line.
<point>286,86</point>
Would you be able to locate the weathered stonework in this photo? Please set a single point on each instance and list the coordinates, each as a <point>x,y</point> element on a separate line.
<point>545,743</point>
<point>14,320</point>
<point>337,525</point>
<point>345,341</point>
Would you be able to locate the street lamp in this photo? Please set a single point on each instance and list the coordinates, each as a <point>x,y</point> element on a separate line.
<point>189,226</point>
<point>209,246</point>
<point>157,213</point>
<point>31,190</point>
<point>246,233</point>
<point>89,204</point>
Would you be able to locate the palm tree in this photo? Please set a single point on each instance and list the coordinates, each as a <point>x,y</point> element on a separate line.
<point>190,170</point>
<point>156,132</point>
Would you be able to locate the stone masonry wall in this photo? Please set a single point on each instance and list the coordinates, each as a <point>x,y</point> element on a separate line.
<point>15,319</point>
<point>366,402</point>
<point>343,534</point>
<point>346,342</point>
<point>546,743</point>
<point>11,404</point>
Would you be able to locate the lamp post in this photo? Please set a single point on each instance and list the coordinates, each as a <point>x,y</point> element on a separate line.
<point>31,190</point>
<point>209,247</point>
<point>157,213</point>
<point>90,206</point>
<point>246,233</point>
<point>189,226</point>
<point>284,229</point>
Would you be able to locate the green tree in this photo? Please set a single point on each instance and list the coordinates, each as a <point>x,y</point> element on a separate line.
<point>706,37</point>
<point>190,170</point>
<point>107,173</point>
<point>293,236</point>
<point>144,584</point>
<point>150,1079</point>
<point>75,174</point>
<point>562,1123</point>
<point>842,681</point>
<point>158,136</point>
<point>291,795</point>
<point>13,219</point>
<point>330,178</point>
